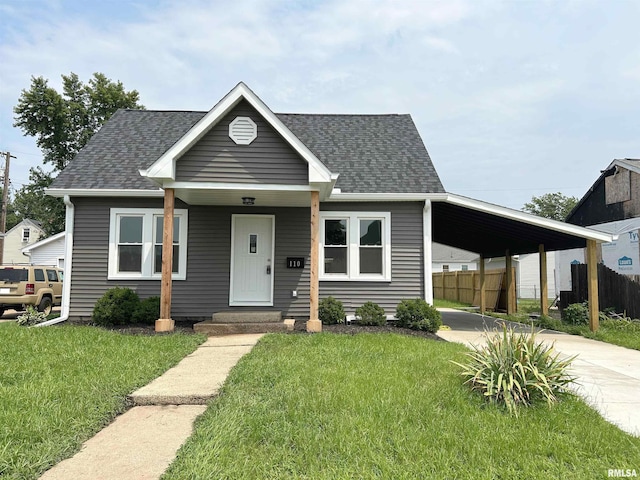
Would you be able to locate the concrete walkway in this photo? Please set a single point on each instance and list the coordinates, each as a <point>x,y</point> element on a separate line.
<point>141,443</point>
<point>608,375</point>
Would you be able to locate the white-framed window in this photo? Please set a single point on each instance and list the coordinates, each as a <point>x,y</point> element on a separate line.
<point>26,234</point>
<point>135,243</point>
<point>465,268</point>
<point>355,246</point>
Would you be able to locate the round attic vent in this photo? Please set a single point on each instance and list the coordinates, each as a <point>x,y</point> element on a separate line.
<point>243,130</point>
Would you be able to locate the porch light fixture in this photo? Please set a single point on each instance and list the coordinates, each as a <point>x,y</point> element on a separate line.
<point>248,200</point>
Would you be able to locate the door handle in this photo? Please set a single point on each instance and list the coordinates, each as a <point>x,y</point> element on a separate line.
<point>268,269</point>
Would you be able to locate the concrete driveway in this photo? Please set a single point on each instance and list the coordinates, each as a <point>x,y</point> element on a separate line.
<point>608,375</point>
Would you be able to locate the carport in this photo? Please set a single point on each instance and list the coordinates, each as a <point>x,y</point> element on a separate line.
<point>495,231</point>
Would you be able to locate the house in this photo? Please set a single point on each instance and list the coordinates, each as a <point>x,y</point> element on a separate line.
<point>25,233</point>
<point>527,273</point>
<point>239,209</point>
<point>611,205</point>
<point>49,251</point>
<point>451,259</point>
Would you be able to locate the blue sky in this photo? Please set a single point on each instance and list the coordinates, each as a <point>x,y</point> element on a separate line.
<point>512,99</point>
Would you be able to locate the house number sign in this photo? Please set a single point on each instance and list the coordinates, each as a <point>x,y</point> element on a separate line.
<point>295,262</point>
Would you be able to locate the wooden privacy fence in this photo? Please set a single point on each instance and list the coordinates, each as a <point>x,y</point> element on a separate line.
<point>464,287</point>
<point>614,290</point>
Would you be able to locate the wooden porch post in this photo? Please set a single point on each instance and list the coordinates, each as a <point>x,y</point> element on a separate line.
<point>544,294</point>
<point>165,323</point>
<point>592,283</point>
<point>483,297</point>
<point>510,285</point>
<point>314,324</point>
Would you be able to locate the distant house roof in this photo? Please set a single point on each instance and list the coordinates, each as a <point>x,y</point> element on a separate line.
<point>443,253</point>
<point>25,223</point>
<point>372,153</point>
<point>42,243</point>
<point>583,213</point>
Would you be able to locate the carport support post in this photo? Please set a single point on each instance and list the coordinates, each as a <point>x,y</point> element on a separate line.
<point>510,285</point>
<point>592,274</point>
<point>544,294</point>
<point>483,297</point>
<point>314,324</point>
<point>165,323</point>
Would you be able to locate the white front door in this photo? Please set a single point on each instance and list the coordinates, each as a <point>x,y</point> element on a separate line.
<point>252,239</point>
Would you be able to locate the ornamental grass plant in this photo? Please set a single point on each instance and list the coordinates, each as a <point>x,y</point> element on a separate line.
<point>514,370</point>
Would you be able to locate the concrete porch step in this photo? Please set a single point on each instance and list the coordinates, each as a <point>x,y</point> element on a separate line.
<point>247,317</point>
<point>211,328</point>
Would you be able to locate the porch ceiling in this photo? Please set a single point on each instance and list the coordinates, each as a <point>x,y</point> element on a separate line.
<point>263,198</point>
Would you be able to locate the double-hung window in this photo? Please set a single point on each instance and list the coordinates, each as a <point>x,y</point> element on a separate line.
<point>355,246</point>
<point>135,244</point>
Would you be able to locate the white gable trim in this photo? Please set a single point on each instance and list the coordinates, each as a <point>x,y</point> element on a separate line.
<point>42,243</point>
<point>165,167</point>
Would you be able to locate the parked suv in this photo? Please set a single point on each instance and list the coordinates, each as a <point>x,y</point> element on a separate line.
<point>22,285</point>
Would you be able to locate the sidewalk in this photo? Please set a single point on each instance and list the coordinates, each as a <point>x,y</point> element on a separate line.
<point>141,443</point>
<point>608,375</point>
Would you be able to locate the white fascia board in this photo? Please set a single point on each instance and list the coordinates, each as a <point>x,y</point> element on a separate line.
<point>377,197</point>
<point>164,167</point>
<point>622,162</point>
<point>237,186</point>
<point>519,216</point>
<point>42,243</point>
<point>103,192</point>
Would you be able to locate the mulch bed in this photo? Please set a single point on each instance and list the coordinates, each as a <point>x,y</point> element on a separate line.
<point>300,328</point>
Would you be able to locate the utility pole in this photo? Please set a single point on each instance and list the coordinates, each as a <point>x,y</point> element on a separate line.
<point>5,199</point>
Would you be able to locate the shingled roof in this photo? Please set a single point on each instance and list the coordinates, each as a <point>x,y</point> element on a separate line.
<point>372,153</point>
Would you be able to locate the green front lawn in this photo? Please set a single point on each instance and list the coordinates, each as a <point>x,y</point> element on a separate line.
<point>385,406</point>
<point>60,385</point>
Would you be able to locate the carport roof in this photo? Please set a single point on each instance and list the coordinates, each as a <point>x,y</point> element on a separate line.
<point>491,230</point>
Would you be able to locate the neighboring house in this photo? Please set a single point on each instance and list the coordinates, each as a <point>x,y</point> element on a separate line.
<point>25,233</point>
<point>451,259</point>
<point>49,251</point>
<point>527,271</point>
<point>268,210</point>
<point>611,205</point>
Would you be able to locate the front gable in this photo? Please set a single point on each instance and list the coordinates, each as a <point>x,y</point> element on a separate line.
<point>261,156</point>
<point>163,171</point>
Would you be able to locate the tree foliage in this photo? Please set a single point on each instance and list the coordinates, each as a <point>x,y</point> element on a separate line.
<point>551,205</point>
<point>62,123</point>
<point>31,202</point>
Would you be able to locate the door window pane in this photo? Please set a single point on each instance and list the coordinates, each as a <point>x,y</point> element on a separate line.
<point>38,274</point>
<point>52,275</point>
<point>253,243</point>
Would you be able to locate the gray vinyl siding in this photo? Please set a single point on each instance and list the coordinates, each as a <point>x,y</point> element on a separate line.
<point>407,259</point>
<point>206,289</point>
<point>217,158</point>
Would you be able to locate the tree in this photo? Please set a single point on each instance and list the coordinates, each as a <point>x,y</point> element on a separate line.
<point>31,202</point>
<point>62,123</point>
<point>551,205</point>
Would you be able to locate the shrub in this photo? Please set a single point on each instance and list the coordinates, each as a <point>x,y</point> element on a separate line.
<point>417,314</point>
<point>31,317</point>
<point>148,311</point>
<point>576,314</point>
<point>331,311</point>
<point>115,307</point>
<point>513,370</point>
<point>371,314</point>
